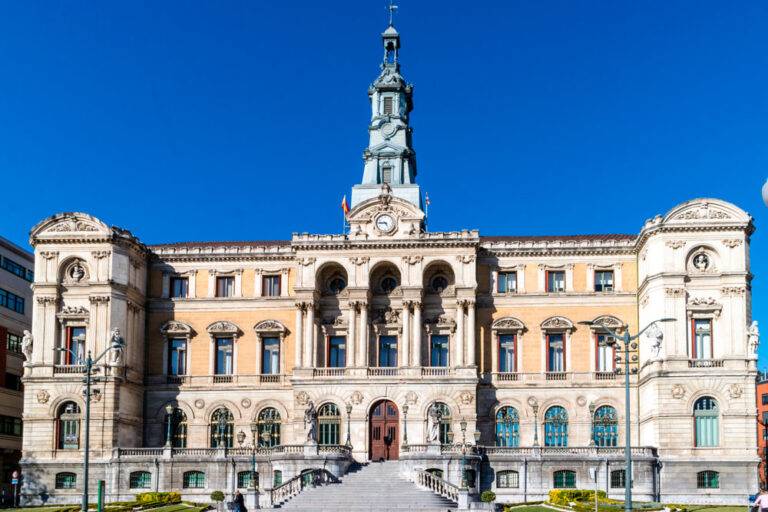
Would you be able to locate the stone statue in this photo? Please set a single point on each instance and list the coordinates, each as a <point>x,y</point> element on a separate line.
<point>77,272</point>
<point>117,342</point>
<point>656,335</point>
<point>753,338</point>
<point>310,422</point>
<point>701,262</point>
<point>26,346</point>
<point>433,424</point>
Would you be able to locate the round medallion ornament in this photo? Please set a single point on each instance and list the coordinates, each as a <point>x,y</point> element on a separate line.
<point>532,401</point>
<point>246,403</point>
<point>199,403</point>
<point>388,130</point>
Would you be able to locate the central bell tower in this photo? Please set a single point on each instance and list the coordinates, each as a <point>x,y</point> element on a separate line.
<point>389,158</point>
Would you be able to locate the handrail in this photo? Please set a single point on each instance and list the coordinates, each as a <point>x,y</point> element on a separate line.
<point>437,485</point>
<point>295,485</point>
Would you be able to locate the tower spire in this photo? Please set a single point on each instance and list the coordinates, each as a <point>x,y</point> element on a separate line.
<point>389,158</point>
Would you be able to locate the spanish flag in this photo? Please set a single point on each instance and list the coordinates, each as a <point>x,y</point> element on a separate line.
<point>344,205</point>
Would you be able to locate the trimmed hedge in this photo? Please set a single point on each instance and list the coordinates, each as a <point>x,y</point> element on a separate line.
<point>165,498</point>
<point>488,496</point>
<point>564,497</point>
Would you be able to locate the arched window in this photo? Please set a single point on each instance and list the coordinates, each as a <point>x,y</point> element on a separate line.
<point>445,423</point>
<point>507,427</point>
<point>222,426</point>
<point>66,480</point>
<point>556,427</point>
<point>605,427</point>
<point>269,427</point>
<point>140,480</point>
<point>247,480</point>
<point>705,418</point>
<point>564,479</point>
<point>194,480</point>
<point>68,426</point>
<point>507,479</point>
<point>178,429</point>
<point>708,480</point>
<point>329,423</point>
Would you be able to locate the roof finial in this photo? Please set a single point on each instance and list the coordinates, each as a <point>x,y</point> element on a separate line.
<point>391,8</point>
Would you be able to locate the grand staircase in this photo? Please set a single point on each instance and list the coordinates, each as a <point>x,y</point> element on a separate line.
<point>376,486</point>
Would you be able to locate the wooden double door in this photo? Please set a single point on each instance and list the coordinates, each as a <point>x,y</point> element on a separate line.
<point>384,432</point>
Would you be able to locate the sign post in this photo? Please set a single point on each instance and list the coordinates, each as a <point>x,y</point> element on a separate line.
<point>15,483</point>
<point>100,499</point>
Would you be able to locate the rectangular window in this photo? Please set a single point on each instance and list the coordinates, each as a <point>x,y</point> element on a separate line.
<point>194,480</point>
<point>386,174</point>
<point>702,338</point>
<point>388,351</point>
<point>507,282</point>
<point>605,358</point>
<point>556,352</point>
<point>564,479</point>
<point>555,281</point>
<point>604,280</point>
<point>618,479</point>
<point>13,343</point>
<point>337,352</point>
<point>270,357</point>
<point>13,381</point>
<point>10,426</point>
<point>11,301</point>
<point>177,356</point>
<point>765,398</point>
<point>708,480</point>
<point>507,361</point>
<point>74,352</point>
<point>388,106</point>
<point>765,417</point>
<point>140,480</point>
<point>19,270</point>
<point>225,286</point>
<point>270,286</point>
<point>66,480</point>
<point>223,356</point>
<point>277,478</point>
<point>508,479</point>
<point>438,353</point>
<point>179,287</point>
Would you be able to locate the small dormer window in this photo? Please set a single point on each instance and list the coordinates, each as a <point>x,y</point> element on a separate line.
<point>388,106</point>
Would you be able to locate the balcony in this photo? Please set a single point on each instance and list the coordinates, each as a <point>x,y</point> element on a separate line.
<point>519,379</point>
<point>606,375</point>
<point>262,453</point>
<point>705,363</point>
<point>68,368</point>
<point>263,380</point>
<point>566,452</point>
<point>556,375</point>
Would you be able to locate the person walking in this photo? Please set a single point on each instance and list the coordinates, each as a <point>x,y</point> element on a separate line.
<point>240,503</point>
<point>761,503</point>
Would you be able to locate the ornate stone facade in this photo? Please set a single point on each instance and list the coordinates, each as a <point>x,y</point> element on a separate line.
<point>241,337</point>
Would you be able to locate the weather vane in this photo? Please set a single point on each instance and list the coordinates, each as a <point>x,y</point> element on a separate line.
<point>391,8</point>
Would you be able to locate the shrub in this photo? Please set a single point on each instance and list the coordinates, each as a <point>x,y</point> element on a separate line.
<point>162,498</point>
<point>217,496</point>
<point>564,497</point>
<point>488,497</point>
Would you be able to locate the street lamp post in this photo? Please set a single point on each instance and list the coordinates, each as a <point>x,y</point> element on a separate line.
<point>254,430</point>
<point>463,425</point>
<point>592,408</point>
<point>405,425</point>
<point>169,413</point>
<point>535,408</point>
<point>349,438</point>
<point>117,343</point>
<point>626,339</point>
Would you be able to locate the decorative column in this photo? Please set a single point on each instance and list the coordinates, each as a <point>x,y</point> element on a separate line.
<point>259,351</point>
<point>471,333</point>
<point>283,282</point>
<point>459,336</point>
<point>416,352</point>
<point>257,283</point>
<point>362,348</point>
<point>406,344</point>
<point>351,332</point>
<point>299,334</point>
<point>309,337</point>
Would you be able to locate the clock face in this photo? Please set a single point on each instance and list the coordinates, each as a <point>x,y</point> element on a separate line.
<point>385,223</point>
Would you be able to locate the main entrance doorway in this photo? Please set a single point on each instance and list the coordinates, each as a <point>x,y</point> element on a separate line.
<point>384,431</point>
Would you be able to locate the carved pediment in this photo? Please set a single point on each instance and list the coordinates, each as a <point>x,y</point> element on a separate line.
<point>557,322</point>
<point>507,323</point>
<point>70,223</point>
<point>73,313</point>
<point>386,316</point>
<point>223,327</point>
<point>176,328</point>
<point>706,210</point>
<point>439,322</point>
<point>609,321</point>
<point>269,326</point>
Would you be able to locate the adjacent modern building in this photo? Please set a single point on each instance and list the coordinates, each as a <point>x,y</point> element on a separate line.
<point>762,428</point>
<point>456,354</point>
<point>16,277</point>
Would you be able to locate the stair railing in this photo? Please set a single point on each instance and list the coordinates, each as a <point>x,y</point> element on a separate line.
<point>438,485</point>
<point>310,478</point>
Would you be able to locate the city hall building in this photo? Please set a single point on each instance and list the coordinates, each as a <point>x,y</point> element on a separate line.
<point>453,353</point>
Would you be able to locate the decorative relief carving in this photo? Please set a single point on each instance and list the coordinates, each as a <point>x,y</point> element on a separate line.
<point>732,243</point>
<point>704,212</point>
<point>508,323</point>
<point>733,290</point>
<point>49,255</point>
<point>223,327</point>
<point>245,403</point>
<point>412,260</point>
<point>269,326</point>
<point>465,258</point>
<point>411,398</point>
<point>440,322</point>
<point>305,262</point>
<point>76,272</point>
<point>100,254</point>
<point>581,401</point>
<point>356,398</point>
<point>678,391</point>
<point>302,398</point>
<point>72,224</point>
<point>675,244</point>
<point>78,312</point>
<point>99,299</point>
<point>609,321</point>
<point>735,391</point>
<point>703,301</point>
<point>199,403</point>
<point>674,292</point>
<point>360,260</point>
<point>174,327</point>
<point>43,396</point>
<point>557,322</point>
<point>46,300</point>
<point>386,316</point>
<point>466,398</point>
<point>644,300</point>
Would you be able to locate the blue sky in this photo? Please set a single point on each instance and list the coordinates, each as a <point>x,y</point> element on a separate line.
<point>241,120</point>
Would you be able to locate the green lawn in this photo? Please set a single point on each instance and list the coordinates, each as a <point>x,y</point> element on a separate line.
<point>733,508</point>
<point>529,508</point>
